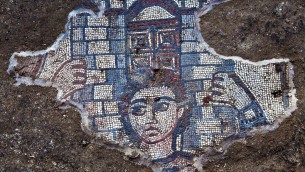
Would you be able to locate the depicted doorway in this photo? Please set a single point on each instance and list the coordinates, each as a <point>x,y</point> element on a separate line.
<point>153,36</point>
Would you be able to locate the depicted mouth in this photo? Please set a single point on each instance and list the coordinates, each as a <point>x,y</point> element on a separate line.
<point>152,131</point>
<point>151,128</point>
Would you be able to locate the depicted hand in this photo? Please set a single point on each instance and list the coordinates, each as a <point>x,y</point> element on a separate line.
<point>55,66</point>
<point>70,77</point>
<point>227,91</point>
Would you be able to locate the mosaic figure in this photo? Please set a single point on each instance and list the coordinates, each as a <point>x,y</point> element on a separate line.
<point>154,111</point>
<point>143,77</point>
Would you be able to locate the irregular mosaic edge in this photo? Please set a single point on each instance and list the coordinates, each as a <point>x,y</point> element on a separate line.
<point>125,149</point>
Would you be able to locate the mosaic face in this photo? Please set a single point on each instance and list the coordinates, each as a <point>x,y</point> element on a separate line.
<point>153,113</point>
<point>128,67</point>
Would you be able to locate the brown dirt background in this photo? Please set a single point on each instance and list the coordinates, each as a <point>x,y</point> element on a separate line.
<point>35,135</point>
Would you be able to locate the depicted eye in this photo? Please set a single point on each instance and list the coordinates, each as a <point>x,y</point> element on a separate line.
<point>138,110</point>
<point>161,107</point>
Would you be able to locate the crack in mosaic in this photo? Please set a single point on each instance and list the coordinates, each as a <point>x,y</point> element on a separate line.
<point>144,79</point>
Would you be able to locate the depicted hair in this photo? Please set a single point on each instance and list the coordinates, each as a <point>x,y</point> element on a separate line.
<point>154,78</point>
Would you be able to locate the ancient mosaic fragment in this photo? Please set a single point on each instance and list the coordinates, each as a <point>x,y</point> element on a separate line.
<point>144,78</point>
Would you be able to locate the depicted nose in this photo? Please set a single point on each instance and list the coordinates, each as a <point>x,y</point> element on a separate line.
<point>151,115</point>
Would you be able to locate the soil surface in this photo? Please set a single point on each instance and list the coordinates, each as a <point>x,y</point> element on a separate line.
<point>36,135</point>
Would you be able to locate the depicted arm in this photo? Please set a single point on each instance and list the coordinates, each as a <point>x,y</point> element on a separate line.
<point>28,66</point>
<point>54,66</point>
<point>228,88</point>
